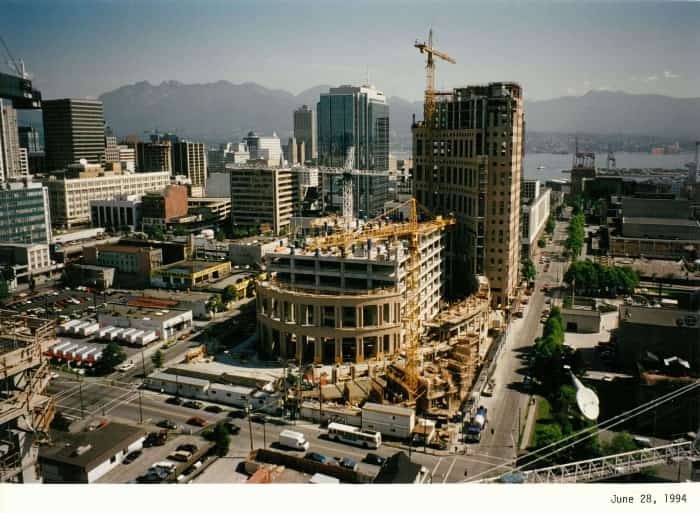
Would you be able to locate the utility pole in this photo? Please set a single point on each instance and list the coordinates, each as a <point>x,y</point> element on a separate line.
<point>140,409</point>
<point>143,364</point>
<point>250,427</point>
<point>80,380</point>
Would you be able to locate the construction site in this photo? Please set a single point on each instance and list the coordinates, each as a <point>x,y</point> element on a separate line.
<point>361,310</point>
<point>360,306</point>
<point>25,410</point>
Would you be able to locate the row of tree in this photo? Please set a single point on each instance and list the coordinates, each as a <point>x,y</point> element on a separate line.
<point>576,235</point>
<point>594,279</point>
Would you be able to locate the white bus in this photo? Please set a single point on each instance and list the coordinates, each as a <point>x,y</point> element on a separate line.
<point>354,435</point>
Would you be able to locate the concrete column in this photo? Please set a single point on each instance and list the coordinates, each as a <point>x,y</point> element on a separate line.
<point>283,344</point>
<point>359,349</point>
<point>318,350</point>
<point>301,342</point>
<point>338,349</point>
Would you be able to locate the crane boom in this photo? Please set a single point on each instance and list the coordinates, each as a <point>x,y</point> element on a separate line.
<point>427,48</point>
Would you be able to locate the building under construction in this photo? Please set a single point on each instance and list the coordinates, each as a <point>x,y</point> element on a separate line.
<point>343,304</point>
<point>367,303</point>
<point>26,411</point>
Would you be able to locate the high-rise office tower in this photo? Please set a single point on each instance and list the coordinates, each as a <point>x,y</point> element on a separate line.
<point>305,130</point>
<point>470,163</point>
<point>74,129</point>
<point>10,165</point>
<point>29,139</point>
<point>189,159</point>
<point>359,117</point>
<point>154,157</point>
<point>24,216</point>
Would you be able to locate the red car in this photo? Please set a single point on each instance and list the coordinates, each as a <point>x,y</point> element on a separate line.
<point>197,421</point>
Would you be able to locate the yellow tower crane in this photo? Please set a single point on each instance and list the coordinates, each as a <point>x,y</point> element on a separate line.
<point>427,48</point>
<point>412,230</point>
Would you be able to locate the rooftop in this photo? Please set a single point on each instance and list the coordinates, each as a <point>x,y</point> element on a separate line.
<point>662,221</point>
<point>398,469</point>
<point>97,446</point>
<point>117,248</point>
<point>186,267</point>
<point>183,380</point>
<point>386,408</point>
<point>658,316</point>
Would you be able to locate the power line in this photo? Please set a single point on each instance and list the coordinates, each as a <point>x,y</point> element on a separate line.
<point>613,421</point>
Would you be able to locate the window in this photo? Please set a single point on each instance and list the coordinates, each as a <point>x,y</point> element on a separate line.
<point>113,459</point>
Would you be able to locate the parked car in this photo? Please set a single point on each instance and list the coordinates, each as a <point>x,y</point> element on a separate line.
<point>237,414</point>
<point>182,456</point>
<point>374,459</point>
<point>197,421</point>
<point>195,405</point>
<point>126,366</point>
<point>318,458</point>
<point>191,448</point>
<point>348,463</point>
<point>131,457</point>
<point>167,424</point>
<point>174,400</point>
<point>213,408</point>
<point>259,418</point>
<point>155,439</point>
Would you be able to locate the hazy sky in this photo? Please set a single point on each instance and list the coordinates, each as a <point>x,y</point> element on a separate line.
<point>84,48</point>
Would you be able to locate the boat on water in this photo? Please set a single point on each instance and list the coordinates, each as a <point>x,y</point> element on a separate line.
<point>540,168</point>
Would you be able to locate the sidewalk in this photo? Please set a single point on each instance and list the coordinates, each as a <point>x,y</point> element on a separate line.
<point>529,423</point>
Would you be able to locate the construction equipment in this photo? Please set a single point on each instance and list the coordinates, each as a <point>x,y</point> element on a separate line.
<point>408,377</point>
<point>347,172</point>
<point>427,48</point>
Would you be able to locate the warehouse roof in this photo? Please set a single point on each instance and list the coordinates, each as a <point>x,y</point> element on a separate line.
<point>91,448</point>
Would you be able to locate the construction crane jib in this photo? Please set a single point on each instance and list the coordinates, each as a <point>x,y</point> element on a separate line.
<point>427,48</point>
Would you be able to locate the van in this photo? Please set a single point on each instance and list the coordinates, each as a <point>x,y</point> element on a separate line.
<point>293,440</point>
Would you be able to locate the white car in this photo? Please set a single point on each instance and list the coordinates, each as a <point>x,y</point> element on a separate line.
<point>126,366</point>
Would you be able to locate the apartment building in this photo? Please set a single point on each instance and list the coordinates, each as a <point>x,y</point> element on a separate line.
<point>262,196</point>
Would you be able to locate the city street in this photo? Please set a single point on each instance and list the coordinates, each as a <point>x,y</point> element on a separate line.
<point>119,397</point>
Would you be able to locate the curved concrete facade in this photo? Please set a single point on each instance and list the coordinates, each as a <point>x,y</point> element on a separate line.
<point>328,328</point>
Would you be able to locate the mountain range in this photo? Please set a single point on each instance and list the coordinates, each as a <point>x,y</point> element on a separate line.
<point>224,111</point>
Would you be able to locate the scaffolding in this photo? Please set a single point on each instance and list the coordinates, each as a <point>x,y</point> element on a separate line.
<point>26,411</point>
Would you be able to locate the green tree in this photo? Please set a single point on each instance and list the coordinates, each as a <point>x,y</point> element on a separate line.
<point>541,243</point>
<point>215,304</point>
<point>112,355</point>
<point>529,271</point>
<point>222,440</point>
<point>157,359</point>
<point>621,442</point>
<point>546,434</point>
<point>179,231</point>
<point>154,232</point>
<point>576,235</point>
<point>551,225</point>
<point>229,294</point>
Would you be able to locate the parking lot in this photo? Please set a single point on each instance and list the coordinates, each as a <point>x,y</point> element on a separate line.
<point>125,473</point>
<point>65,303</point>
